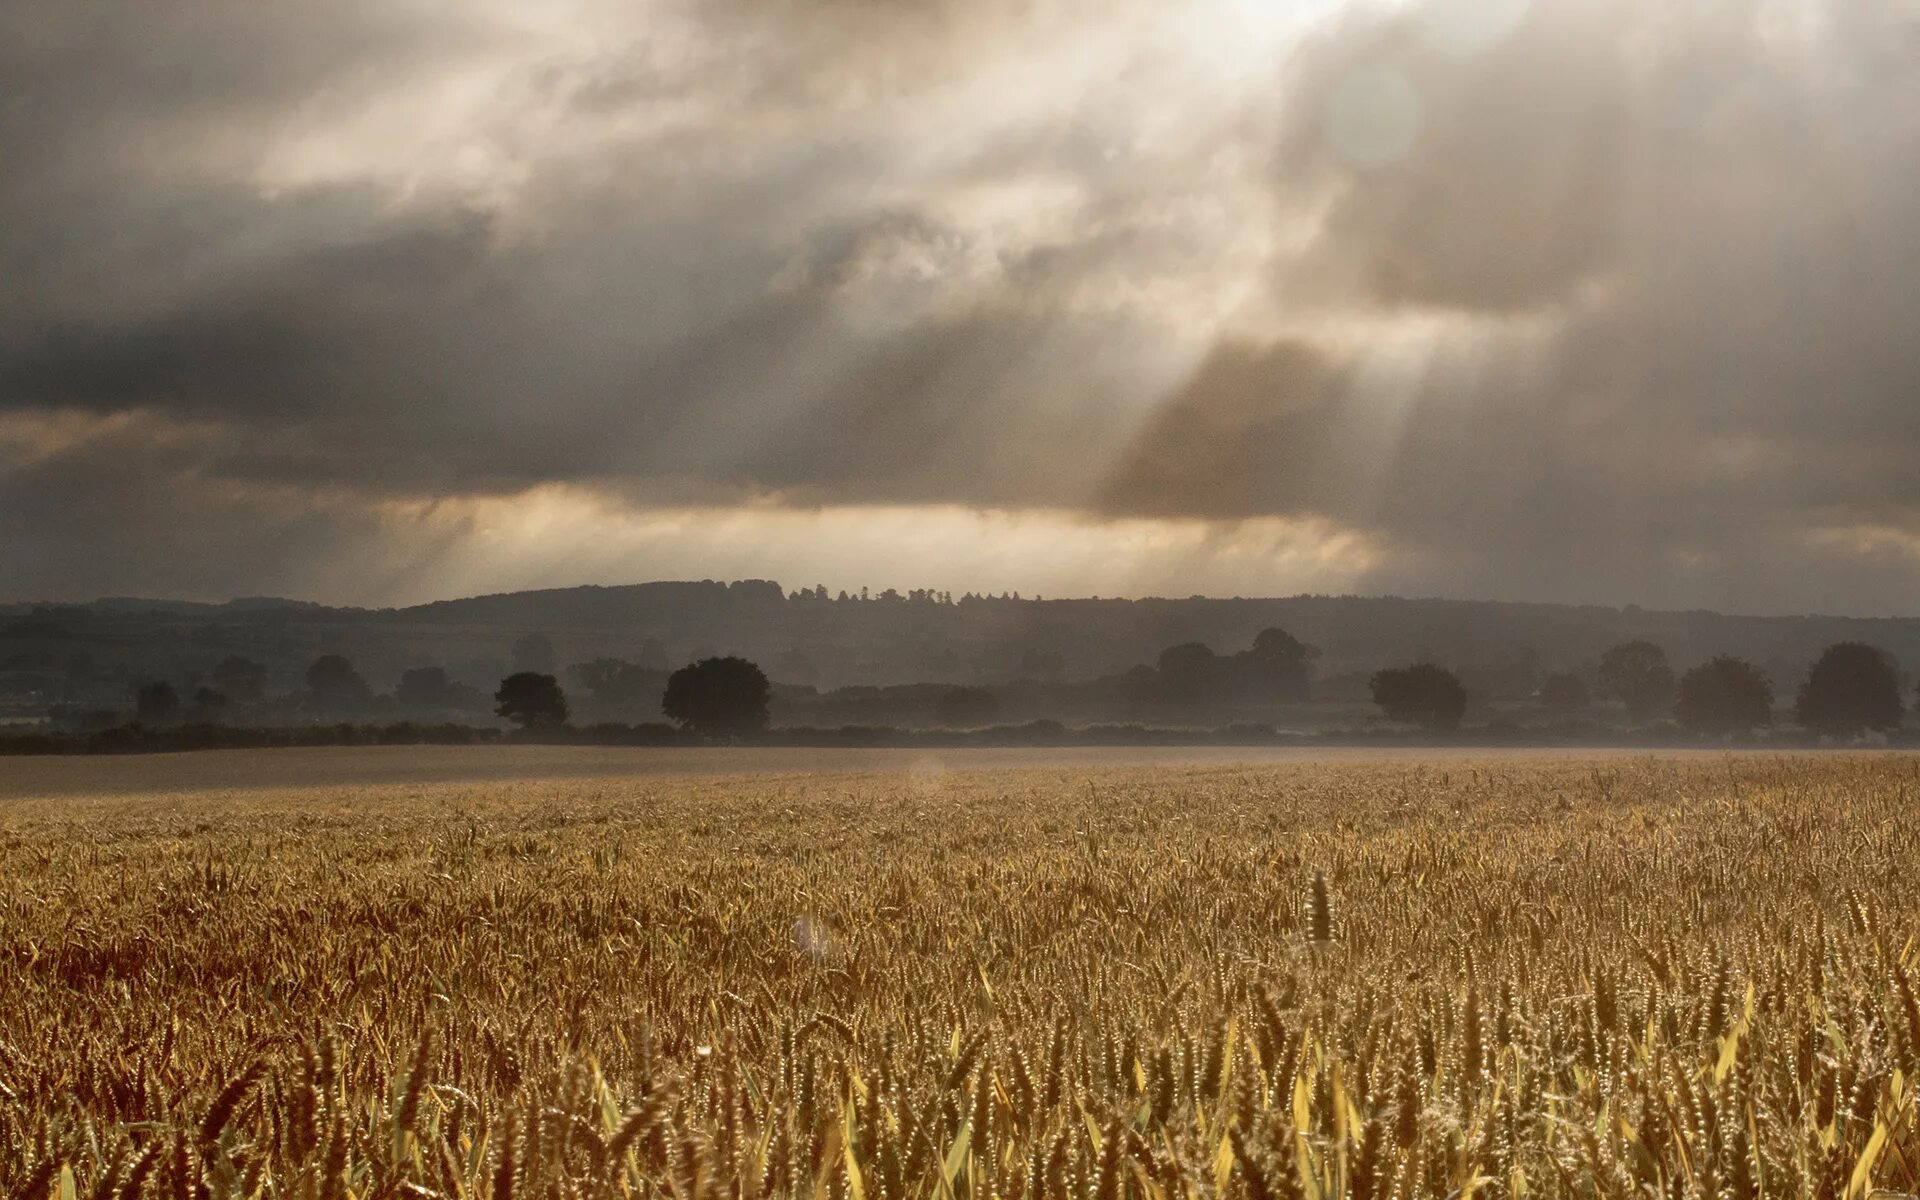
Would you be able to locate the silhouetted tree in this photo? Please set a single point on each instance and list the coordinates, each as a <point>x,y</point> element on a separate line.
<point>967,708</point>
<point>241,679</point>
<point>1638,676</point>
<point>531,700</point>
<point>1725,695</point>
<point>156,703</point>
<point>1188,673</point>
<point>1279,667</point>
<point>1564,692</point>
<point>1853,687</point>
<point>1424,694</point>
<point>718,697</point>
<point>534,655</point>
<point>335,684</point>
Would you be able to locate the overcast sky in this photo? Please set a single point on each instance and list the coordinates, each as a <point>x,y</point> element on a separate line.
<point>377,301</point>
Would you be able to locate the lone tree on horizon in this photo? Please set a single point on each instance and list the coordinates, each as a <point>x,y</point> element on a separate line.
<point>1852,688</point>
<point>1637,675</point>
<point>1725,695</point>
<point>532,700</point>
<point>1424,694</point>
<point>718,697</point>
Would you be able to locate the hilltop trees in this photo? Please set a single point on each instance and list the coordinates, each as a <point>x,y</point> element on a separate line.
<point>719,697</point>
<point>1725,695</point>
<point>1638,676</point>
<point>1852,688</point>
<point>1424,694</point>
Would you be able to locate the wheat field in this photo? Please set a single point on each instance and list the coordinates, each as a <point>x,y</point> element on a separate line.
<point>1578,977</point>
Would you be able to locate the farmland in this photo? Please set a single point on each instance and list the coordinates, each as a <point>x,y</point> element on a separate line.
<point>242,976</point>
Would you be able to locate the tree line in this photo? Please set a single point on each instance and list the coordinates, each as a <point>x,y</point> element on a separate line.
<point>717,697</point>
<point>1852,689</point>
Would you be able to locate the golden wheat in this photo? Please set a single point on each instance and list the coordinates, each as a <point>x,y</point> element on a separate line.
<point>1596,978</point>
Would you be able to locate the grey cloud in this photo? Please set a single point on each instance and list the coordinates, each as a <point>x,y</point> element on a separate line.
<point>1255,431</point>
<point>1629,319</point>
<point>130,503</point>
<point>1512,188</point>
<point>1664,247</point>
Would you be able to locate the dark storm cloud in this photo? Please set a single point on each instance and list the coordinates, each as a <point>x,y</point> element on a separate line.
<point>93,503</point>
<point>1613,303</point>
<point>674,327</point>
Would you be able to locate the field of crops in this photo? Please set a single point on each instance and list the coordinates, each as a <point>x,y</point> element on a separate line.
<point>1607,977</point>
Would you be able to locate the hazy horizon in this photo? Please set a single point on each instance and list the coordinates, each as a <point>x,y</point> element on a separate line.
<point>875,590</point>
<point>1575,301</point>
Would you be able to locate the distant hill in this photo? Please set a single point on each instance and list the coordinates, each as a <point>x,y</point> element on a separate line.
<point>809,638</point>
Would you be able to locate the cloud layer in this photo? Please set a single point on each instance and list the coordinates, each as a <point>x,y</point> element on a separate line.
<point>1567,299</point>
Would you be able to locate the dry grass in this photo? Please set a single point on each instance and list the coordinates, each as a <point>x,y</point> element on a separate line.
<point>1618,977</point>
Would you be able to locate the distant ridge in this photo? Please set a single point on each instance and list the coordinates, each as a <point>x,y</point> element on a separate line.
<point>595,603</point>
<point>912,638</point>
<point>613,599</point>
